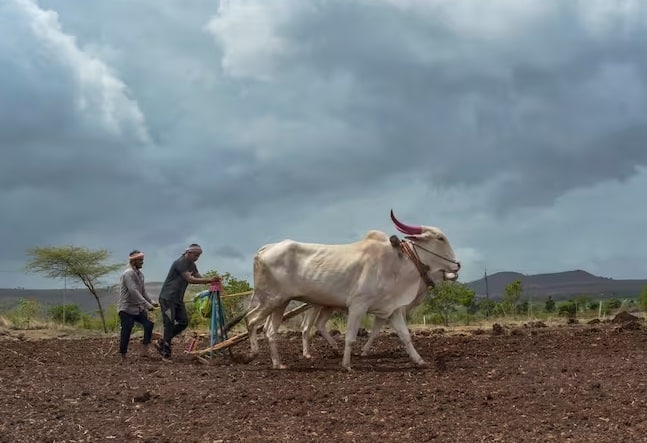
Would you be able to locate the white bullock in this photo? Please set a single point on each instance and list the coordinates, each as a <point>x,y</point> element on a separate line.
<point>369,276</point>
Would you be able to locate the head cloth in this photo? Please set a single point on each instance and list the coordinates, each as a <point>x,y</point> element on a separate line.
<point>194,248</point>
<point>135,255</point>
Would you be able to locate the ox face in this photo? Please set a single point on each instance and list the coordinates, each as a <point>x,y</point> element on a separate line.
<point>435,251</point>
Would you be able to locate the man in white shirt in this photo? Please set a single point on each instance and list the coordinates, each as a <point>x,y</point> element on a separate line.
<point>133,304</point>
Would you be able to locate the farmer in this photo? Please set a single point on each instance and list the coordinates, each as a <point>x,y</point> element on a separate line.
<point>133,304</point>
<point>182,273</point>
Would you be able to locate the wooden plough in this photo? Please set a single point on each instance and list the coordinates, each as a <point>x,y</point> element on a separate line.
<point>242,337</point>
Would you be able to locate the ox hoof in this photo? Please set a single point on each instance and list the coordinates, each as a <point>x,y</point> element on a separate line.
<point>307,356</point>
<point>422,364</point>
<point>281,366</point>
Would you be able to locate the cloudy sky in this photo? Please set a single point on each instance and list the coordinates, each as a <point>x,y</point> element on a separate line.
<point>518,127</point>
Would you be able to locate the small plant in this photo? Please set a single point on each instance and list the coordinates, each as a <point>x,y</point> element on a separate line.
<point>112,321</point>
<point>25,313</point>
<point>90,322</point>
<point>642,298</point>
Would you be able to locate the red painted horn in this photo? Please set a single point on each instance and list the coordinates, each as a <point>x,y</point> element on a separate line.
<point>405,229</point>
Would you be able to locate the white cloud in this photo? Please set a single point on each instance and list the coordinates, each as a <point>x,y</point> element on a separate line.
<point>249,32</point>
<point>98,91</point>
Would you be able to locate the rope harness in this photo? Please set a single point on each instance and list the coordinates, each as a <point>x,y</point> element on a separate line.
<point>407,248</point>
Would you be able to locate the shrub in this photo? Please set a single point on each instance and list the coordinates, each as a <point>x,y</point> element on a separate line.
<point>25,313</point>
<point>614,303</point>
<point>67,314</point>
<point>90,322</point>
<point>567,308</point>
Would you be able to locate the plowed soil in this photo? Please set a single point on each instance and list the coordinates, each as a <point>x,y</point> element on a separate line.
<point>579,383</point>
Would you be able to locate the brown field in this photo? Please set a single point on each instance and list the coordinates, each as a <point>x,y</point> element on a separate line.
<point>579,383</point>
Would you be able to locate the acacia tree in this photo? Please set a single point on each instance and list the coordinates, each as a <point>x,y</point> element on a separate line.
<point>78,264</point>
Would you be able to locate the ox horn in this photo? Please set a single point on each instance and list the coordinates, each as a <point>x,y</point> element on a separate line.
<point>405,229</point>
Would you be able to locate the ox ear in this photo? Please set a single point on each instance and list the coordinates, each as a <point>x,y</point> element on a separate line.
<point>423,235</point>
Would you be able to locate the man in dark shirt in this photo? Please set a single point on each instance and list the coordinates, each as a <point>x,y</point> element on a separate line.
<point>182,273</point>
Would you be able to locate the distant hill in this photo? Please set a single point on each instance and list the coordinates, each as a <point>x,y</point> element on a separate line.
<point>559,285</point>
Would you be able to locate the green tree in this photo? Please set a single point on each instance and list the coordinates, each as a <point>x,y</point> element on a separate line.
<point>511,296</point>
<point>230,285</point>
<point>233,285</point>
<point>642,298</point>
<point>486,306</point>
<point>581,301</point>
<point>446,296</point>
<point>76,263</point>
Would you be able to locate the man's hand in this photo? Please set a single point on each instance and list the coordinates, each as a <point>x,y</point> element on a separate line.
<point>215,279</point>
<point>155,305</point>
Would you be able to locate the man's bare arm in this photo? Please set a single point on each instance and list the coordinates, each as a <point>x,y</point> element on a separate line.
<point>199,280</point>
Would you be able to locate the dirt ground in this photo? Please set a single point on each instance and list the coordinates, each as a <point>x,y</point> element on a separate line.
<point>579,383</point>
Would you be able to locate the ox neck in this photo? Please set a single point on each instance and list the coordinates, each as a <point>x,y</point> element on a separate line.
<point>408,248</point>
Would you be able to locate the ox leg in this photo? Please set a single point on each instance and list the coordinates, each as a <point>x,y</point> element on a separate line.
<point>378,324</point>
<point>399,323</point>
<point>322,319</point>
<point>271,328</point>
<point>253,339</point>
<point>309,319</point>
<point>318,316</point>
<point>253,320</point>
<point>355,315</point>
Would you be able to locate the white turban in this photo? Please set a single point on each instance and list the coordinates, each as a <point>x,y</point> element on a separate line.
<point>194,248</point>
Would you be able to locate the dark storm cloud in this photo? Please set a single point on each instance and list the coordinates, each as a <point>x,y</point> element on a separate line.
<point>527,103</point>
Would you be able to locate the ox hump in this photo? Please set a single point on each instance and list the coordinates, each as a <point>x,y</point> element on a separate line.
<point>376,235</point>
